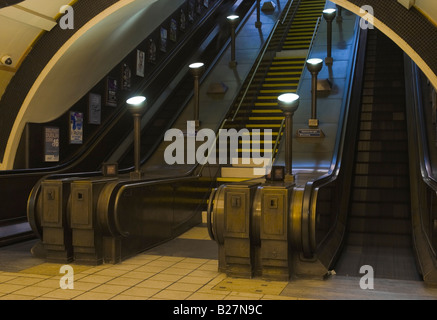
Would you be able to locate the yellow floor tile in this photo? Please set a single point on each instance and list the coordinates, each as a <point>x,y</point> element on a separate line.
<point>187,265</point>
<point>5,278</point>
<point>25,281</point>
<point>127,267</point>
<point>176,271</point>
<point>180,286</point>
<point>174,259</point>
<point>147,268</point>
<point>160,263</point>
<point>49,283</point>
<point>251,285</point>
<point>110,288</point>
<point>155,284</point>
<point>94,296</point>
<point>111,272</point>
<point>139,275</point>
<point>141,292</point>
<point>84,286</point>
<point>124,281</point>
<point>208,267</point>
<point>15,297</point>
<point>172,295</point>
<point>63,294</point>
<point>52,269</point>
<point>127,297</point>
<point>204,273</point>
<point>9,287</point>
<point>195,280</point>
<point>244,295</point>
<point>207,296</point>
<point>166,277</point>
<point>33,291</point>
<point>96,279</point>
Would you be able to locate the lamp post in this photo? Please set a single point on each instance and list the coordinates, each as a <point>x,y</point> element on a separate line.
<point>339,16</point>
<point>288,103</point>
<point>196,70</point>
<point>314,66</point>
<point>329,15</point>
<point>258,22</point>
<point>233,20</point>
<point>137,106</point>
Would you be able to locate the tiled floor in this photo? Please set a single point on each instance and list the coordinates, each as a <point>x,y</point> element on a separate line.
<point>151,276</point>
<point>146,276</point>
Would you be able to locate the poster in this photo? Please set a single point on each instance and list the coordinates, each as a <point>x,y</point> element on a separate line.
<point>51,144</point>
<point>126,76</point>
<point>94,108</point>
<point>111,92</point>
<point>151,53</point>
<point>76,127</point>
<point>183,20</point>
<point>141,58</point>
<point>163,43</point>
<point>173,30</point>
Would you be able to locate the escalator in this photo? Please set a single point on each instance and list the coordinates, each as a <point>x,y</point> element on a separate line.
<point>379,232</point>
<point>13,220</point>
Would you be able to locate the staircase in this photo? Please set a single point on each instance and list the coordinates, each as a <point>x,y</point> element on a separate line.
<point>281,75</point>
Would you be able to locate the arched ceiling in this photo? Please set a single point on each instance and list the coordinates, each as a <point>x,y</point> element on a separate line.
<point>411,28</point>
<point>21,23</point>
<point>82,61</point>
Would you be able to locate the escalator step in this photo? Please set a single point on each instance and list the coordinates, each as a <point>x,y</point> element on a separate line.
<point>380,195</point>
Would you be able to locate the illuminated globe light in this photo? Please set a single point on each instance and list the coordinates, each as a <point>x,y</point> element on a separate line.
<point>196,65</point>
<point>329,12</point>
<point>233,17</point>
<point>134,101</point>
<point>288,99</point>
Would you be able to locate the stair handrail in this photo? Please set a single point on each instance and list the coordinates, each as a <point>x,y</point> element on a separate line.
<point>308,215</point>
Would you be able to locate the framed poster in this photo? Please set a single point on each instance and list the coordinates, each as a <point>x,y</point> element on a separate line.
<point>126,77</point>
<point>94,108</point>
<point>141,59</point>
<point>111,92</point>
<point>51,144</point>
<point>151,52</point>
<point>76,127</point>
<point>173,30</point>
<point>163,43</point>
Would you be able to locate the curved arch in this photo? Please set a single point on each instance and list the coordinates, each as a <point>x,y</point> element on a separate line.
<point>386,27</point>
<point>84,60</point>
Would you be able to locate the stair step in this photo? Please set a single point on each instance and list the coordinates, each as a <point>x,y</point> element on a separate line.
<point>389,210</point>
<point>379,240</point>
<point>380,225</point>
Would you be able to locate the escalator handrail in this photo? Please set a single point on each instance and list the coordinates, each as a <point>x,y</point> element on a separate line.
<point>422,137</point>
<point>311,187</point>
<point>108,124</point>
<point>422,146</point>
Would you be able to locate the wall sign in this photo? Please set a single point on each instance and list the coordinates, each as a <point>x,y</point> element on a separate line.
<point>51,144</point>
<point>76,127</point>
